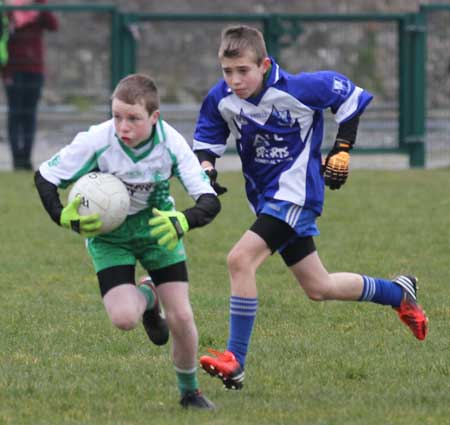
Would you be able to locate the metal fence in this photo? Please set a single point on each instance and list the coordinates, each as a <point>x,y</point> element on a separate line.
<point>368,48</point>
<point>437,20</point>
<point>402,58</point>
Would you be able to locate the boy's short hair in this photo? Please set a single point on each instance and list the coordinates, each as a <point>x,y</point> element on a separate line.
<point>235,40</point>
<point>138,88</point>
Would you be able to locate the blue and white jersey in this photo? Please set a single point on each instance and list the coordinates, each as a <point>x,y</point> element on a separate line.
<point>279,132</point>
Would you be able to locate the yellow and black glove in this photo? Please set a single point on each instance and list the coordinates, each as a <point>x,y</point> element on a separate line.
<point>87,225</point>
<point>168,227</point>
<point>336,165</point>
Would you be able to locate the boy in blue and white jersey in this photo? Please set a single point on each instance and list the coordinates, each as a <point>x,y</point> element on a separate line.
<point>279,132</point>
<point>277,121</point>
<point>145,152</point>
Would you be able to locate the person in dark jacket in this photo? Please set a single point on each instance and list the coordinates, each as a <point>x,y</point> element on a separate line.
<point>23,76</point>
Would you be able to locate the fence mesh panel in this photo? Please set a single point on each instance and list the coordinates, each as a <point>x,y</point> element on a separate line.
<point>182,57</point>
<point>187,70</point>
<point>438,88</point>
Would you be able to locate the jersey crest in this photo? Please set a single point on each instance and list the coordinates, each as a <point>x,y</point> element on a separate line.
<point>280,118</point>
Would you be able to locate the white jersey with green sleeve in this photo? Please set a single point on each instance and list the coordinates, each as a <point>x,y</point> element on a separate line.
<point>145,170</point>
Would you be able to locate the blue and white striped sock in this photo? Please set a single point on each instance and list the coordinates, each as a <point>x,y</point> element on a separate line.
<point>242,318</point>
<point>381,291</point>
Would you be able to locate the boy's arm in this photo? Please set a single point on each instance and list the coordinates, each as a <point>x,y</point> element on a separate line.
<point>211,134</point>
<point>204,211</point>
<point>168,227</point>
<point>329,89</point>
<point>208,163</point>
<point>48,192</point>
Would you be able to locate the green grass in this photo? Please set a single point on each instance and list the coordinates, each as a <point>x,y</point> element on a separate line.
<point>62,362</point>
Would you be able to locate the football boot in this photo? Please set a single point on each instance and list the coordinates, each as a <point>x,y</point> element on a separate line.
<point>195,399</point>
<point>409,312</point>
<point>153,319</point>
<point>225,366</point>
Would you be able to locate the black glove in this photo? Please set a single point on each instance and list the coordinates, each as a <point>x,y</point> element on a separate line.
<point>212,174</point>
<point>336,166</point>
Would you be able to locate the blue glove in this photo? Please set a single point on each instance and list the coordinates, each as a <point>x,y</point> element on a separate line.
<point>87,225</point>
<point>168,227</point>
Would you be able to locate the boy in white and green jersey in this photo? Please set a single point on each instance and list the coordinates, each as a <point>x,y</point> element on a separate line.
<point>141,149</point>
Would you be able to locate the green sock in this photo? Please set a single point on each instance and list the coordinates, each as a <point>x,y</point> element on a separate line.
<point>187,380</point>
<point>148,294</point>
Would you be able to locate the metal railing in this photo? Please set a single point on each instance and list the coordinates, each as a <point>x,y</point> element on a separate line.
<point>390,56</point>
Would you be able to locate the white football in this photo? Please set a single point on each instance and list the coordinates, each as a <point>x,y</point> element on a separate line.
<point>102,194</point>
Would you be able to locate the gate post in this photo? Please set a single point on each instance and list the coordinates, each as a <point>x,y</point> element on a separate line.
<point>413,87</point>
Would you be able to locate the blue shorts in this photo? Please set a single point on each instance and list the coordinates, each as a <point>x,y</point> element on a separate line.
<point>302,220</point>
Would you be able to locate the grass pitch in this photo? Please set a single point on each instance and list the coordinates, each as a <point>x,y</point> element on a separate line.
<point>332,363</point>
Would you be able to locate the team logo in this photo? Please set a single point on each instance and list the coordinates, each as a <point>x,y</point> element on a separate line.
<point>341,86</point>
<point>281,118</point>
<point>54,161</point>
<point>241,119</point>
<point>140,187</point>
<point>268,153</point>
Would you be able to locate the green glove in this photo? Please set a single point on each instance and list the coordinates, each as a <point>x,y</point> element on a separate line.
<point>168,227</point>
<point>86,225</point>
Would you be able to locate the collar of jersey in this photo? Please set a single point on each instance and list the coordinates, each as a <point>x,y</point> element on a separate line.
<point>145,148</point>
<point>273,74</point>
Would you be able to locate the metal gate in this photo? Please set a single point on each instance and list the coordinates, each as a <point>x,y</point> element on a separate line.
<point>375,50</point>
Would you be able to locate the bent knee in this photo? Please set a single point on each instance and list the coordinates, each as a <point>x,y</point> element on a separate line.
<point>233,260</point>
<point>316,296</point>
<point>125,319</point>
<point>317,292</point>
<point>183,318</point>
<point>237,261</point>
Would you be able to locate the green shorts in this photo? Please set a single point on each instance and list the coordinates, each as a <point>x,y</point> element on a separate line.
<point>131,242</point>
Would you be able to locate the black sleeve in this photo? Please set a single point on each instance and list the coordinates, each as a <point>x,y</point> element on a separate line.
<point>348,129</point>
<point>205,209</point>
<point>49,195</point>
<point>206,155</point>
